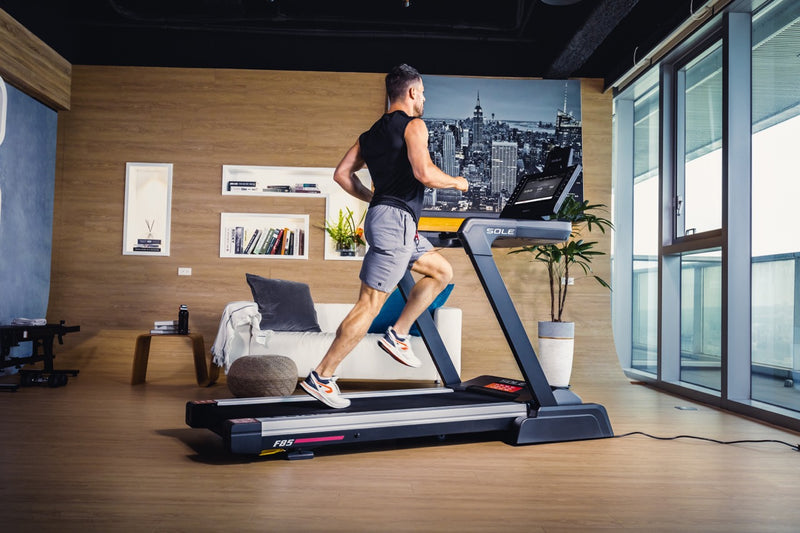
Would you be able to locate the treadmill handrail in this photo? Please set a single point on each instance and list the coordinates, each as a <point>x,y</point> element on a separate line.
<point>479,234</point>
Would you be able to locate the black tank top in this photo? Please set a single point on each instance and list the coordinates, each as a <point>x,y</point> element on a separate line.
<point>384,150</point>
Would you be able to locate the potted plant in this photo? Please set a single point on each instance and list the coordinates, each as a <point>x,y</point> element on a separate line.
<point>346,232</point>
<point>556,337</point>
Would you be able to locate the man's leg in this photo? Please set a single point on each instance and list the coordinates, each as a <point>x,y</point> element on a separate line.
<point>352,329</point>
<point>321,383</point>
<point>436,274</point>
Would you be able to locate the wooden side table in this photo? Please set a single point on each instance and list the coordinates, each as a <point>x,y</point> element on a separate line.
<point>142,354</point>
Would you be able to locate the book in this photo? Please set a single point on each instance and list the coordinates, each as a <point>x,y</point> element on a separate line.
<point>267,241</point>
<point>277,188</point>
<point>229,239</point>
<point>306,188</point>
<point>287,237</point>
<point>278,241</point>
<point>241,185</point>
<point>146,248</point>
<point>252,241</point>
<point>301,242</point>
<point>291,243</point>
<point>165,331</point>
<point>164,327</point>
<point>237,241</point>
<point>270,242</point>
<point>145,242</point>
<point>262,234</point>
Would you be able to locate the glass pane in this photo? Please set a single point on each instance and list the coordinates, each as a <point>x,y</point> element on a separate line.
<point>701,188</point>
<point>644,353</point>
<point>644,349</point>
<point>775,189</point>
<point>701,318</point>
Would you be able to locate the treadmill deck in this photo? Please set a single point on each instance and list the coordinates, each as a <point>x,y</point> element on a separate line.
<point>253,425</point>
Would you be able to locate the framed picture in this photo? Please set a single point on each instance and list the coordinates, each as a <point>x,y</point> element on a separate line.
<point>148,204</point>
<point>493,132</point>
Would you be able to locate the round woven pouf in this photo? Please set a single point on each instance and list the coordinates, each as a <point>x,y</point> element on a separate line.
<point>252,376</point>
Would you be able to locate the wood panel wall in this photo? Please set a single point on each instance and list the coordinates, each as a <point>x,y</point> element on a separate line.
<point>200,119</point>
<point>31,66</point>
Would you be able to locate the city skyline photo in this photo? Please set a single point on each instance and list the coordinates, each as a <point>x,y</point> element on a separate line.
<point>493,132</point>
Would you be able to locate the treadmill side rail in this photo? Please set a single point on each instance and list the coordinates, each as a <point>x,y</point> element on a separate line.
<point>563,423</point>
<point>250,436</point>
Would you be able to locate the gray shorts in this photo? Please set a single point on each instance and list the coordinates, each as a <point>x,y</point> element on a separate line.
<point>394,246</point>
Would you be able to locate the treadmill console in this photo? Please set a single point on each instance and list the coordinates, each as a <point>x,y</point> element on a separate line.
<point>539,196</point>
<point>505,388</point>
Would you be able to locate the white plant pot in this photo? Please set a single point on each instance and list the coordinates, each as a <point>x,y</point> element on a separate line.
<point>556,348</point>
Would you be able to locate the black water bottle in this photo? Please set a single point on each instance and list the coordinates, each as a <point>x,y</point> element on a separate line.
<point>183,320</point>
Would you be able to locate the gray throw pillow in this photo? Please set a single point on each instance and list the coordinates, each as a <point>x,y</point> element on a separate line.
<point>284,305</point>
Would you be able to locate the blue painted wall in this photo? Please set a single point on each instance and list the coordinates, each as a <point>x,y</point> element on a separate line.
<point>27,182</point>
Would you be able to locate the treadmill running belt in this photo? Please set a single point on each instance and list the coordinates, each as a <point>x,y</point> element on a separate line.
<point>388,403</point>
<point>213,414</point>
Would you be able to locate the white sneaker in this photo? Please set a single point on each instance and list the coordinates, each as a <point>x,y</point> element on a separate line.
<point>325,390</point>
<point>399,348</point>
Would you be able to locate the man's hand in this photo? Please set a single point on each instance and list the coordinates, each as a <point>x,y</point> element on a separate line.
<point>462,185</point>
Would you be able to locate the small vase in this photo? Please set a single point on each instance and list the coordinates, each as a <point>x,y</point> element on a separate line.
<point>346,251</point>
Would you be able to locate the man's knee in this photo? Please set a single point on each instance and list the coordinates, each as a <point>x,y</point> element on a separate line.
<point>440,269</point>
<point>444,273</point>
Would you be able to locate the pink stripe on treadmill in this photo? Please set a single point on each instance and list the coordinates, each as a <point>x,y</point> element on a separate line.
<point>319,439</point>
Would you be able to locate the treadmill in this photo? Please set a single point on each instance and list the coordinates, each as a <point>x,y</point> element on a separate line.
<point>523,411</point>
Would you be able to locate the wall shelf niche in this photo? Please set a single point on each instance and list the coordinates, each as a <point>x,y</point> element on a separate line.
<point>307,182</point>
<point>244,180</point>
<point>263,236</point>
<point>148,204</point>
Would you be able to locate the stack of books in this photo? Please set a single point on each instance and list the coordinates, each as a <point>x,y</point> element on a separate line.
<point>241,186</point>
<point>165,327</point>
<point>307,188</point>
<point>147,245</point>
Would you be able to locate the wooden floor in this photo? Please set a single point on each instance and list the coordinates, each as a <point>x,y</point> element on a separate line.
<point>102,455</point>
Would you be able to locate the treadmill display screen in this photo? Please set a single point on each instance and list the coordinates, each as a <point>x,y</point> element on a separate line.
<point>538,190</point>
<point>539,196</point>
<point>503,387</point>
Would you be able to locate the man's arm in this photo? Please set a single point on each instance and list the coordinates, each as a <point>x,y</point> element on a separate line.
<point>425,170</point>
<point>345,174</point>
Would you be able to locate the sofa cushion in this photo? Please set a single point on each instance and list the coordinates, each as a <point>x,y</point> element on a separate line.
<point>284,305</point>
<point>393,306</point>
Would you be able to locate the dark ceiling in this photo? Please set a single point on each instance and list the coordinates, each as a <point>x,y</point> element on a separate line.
<point>516,38</point>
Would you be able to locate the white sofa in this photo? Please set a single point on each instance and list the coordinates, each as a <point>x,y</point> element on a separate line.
<point>240,335</point>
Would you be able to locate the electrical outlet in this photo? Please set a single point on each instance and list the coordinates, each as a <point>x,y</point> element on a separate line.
<point>184,271</point>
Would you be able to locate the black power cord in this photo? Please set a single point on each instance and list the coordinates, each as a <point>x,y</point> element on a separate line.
<point>795,447</point>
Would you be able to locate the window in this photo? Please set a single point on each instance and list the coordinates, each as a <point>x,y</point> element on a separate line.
<point>775,311</point>
<point>706,160</point>
<point>699,188</point>
<point>701,318</point>
<point>644,327</point>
